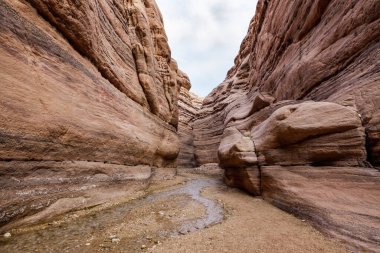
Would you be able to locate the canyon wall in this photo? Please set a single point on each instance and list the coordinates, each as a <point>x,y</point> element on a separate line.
<point>89,97</point>
<point>188,104</point>
<point>297,119</point>
<point>300,50</point>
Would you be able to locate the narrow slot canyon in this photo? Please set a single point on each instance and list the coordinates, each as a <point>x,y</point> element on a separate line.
<point>106,147</point>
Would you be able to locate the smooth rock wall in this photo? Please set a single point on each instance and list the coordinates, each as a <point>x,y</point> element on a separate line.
<point>82,82</point>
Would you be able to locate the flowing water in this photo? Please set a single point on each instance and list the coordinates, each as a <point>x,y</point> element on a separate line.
<point>193,188</point>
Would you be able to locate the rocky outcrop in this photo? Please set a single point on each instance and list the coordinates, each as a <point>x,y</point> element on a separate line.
<point>304,95</point>
<point>83,81</point>
<point>311,133</point>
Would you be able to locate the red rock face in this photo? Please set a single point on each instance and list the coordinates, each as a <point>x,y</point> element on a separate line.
<point>299,108</point>
<point>340,201</point>
<point>82,81</point>
<point>189,104</point>
<point>127,43</point>
<point>301,50</point>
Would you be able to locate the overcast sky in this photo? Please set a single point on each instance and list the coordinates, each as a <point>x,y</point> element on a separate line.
<point>205,36</point>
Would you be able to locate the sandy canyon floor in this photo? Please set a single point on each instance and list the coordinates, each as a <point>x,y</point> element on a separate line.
<point>192,212</point>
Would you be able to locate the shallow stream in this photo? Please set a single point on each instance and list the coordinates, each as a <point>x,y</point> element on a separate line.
<point>135,226</point>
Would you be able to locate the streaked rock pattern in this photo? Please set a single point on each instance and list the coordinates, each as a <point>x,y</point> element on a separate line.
<point>126,42</point>
<point>39,190</point>
<point>305,92</point>
<point>300,50</point>
<point>316,133</point>
<point>188,104</point>
<point>341,201</point>
<point>83,82</point>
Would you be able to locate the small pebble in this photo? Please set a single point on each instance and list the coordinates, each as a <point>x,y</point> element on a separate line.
<point>115,240</point>
<point>143,246</point>
<point>88,244</point>
<point>7,235</point>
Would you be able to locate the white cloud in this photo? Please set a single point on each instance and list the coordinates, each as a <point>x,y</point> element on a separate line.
<point>205,36</point>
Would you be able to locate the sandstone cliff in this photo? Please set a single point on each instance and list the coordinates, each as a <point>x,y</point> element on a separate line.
<point>188,104</point>
<point>89,110</point>
<point>88,88</point>
<point>313,50</point>
<point>297,118</point>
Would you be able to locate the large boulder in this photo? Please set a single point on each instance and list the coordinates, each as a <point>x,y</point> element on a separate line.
<point>238,159</point>
<point>311,133</point>
<point>236,150</point>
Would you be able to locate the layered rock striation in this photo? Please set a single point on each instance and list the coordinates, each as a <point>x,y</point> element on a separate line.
<point>82,82</point>
<point>92,104</point>
<point>188,104</point>
<point>297,118</point>
<point>313,50</point>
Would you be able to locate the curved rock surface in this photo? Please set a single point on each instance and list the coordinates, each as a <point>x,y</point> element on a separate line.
<point>89,109</point>
<point>311,133</point>
<point>304,94</point>
<point>340,201</point>
<point>83,81</point>
<point>300,50</point>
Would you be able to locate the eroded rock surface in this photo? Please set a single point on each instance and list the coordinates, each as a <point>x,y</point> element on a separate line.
<point>127,43</point>
<point>89,109</point>
<point>83,81</point>
<point>304,91</point>
<point>311,133</point>
<point>300,50</point>
<point>188,104</point>
<point>341,201</point>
